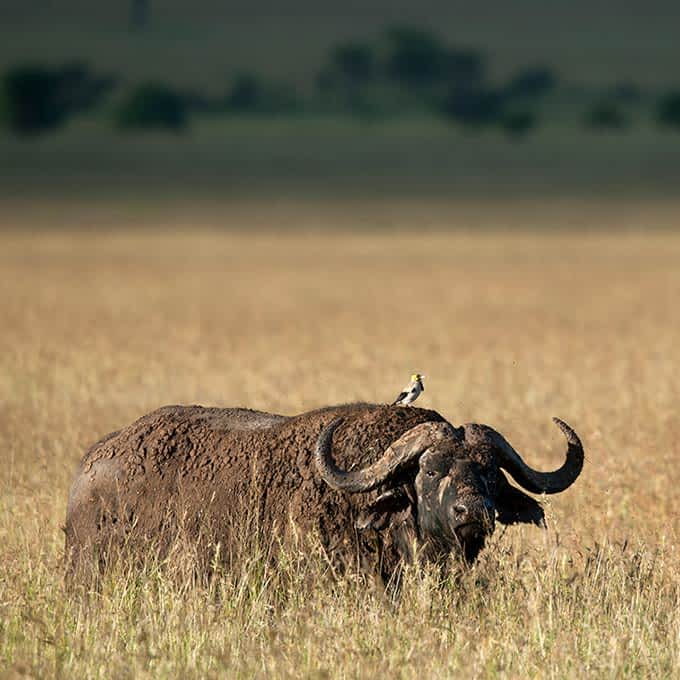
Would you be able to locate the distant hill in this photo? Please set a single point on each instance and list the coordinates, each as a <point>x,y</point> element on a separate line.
<point>204,41</point>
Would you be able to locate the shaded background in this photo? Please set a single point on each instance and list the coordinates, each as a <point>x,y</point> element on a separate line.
<point>260,104</point>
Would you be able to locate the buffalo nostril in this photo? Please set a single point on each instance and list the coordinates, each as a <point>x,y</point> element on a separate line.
<point>460,509</point>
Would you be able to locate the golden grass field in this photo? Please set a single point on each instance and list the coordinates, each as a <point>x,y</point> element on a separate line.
<point>511,326</point>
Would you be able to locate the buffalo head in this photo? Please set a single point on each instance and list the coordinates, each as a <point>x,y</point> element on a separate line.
<point>447,484</point>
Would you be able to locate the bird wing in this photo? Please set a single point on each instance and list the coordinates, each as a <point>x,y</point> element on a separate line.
<point>399,398</point>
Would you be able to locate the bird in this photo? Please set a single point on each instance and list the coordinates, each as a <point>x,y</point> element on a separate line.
<point>411,391</point>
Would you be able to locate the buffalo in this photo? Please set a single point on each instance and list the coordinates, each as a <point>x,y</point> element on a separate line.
<point>380,486</point>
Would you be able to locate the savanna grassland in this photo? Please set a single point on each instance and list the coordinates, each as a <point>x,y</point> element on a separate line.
<point>512,324</point>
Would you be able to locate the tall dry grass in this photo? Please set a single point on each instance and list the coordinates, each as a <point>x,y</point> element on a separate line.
<point>98,328</point>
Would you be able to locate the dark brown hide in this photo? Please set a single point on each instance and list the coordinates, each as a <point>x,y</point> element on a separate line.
<point>372,482</point>
<point>204,469</point>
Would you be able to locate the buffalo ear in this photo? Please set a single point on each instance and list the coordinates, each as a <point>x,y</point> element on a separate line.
<point>514,506</point>
<point>377,515</point>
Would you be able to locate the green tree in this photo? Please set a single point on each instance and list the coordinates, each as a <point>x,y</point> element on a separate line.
<point>474,107</point>
<point>415,57</point>
<point>353,62</point>
<point>152,105</point>
<point>668,110</point>
<point>38,98</point>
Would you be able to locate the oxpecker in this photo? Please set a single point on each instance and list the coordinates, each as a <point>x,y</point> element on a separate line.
<point>411,391</point>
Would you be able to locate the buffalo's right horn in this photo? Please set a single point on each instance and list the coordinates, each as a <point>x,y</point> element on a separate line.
<point>409,446</point>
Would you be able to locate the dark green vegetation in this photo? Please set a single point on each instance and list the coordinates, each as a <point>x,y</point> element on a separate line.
<point>198,44</point>
<point>308,99</point>
<point>669,110</point>
<point>401,72</point>
<point>152,106</point>
<point>36,98</point>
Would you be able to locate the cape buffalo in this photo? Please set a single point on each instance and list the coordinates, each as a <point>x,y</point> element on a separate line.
<point>379,485</point>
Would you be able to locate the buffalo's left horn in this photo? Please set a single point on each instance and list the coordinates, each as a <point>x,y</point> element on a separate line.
<point>543,482</point>
<point>408,447</point>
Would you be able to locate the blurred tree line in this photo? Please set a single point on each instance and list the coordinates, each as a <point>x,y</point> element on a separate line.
<point>405,71</point>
